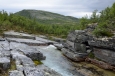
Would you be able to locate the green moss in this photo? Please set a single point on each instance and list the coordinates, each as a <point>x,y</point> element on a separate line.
<point>91,55</point>
<point>37,62</point>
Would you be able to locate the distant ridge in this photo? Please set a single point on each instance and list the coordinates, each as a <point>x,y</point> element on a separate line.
<point>48,17</point>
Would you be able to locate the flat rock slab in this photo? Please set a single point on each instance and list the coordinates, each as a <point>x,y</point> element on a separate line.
<point>12,34</point>
<point>40,70</point>
<point>31,52</point>
<point>74,56</point>
<point>30,71</point>
<point>47,71</point>
<point>27,41</point>
<point>16,73</point>
<point>45,40</point>
<point>22,59</point>
<point>4,53</point>
<point>4,63</point>
<point>4,45</point>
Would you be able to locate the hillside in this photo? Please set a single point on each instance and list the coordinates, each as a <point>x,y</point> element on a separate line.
<point>48,17</point>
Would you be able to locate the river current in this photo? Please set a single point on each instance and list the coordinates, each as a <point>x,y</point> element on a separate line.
<point>56,61</point>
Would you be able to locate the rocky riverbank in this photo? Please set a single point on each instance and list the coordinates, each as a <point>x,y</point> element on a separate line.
<point>17,58</point>
<point>21,55</point>
<point>81,45</point>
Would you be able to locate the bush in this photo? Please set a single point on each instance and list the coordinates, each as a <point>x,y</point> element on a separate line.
<point>102,32</point>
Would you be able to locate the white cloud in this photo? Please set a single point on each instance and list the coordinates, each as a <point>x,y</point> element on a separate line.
<point>76,8</point>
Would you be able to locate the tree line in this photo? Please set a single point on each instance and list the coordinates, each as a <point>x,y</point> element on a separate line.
<point>20,23</point>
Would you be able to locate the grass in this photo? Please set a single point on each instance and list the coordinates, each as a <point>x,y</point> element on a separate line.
<point>12,67</point>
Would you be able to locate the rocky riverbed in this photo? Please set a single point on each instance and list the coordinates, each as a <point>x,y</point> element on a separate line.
<point>28,55</point>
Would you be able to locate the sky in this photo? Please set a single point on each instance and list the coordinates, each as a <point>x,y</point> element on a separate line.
<point>75,8</point>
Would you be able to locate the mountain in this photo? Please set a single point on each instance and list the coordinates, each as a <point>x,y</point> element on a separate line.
<point>48,17</point>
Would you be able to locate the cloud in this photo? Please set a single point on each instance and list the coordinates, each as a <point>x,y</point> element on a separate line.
<point>76,8</point>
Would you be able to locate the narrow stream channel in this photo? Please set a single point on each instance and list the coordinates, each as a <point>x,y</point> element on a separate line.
<point>56,61</point>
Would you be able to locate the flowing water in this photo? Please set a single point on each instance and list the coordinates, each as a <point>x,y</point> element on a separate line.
<point>56,61</point>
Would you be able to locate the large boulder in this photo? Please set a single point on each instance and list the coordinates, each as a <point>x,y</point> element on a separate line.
<point>76,46</point>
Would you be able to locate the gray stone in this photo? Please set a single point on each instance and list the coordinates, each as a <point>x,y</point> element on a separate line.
<point>45,40</point>
<point>16,73</point>
<point>5,53</point>
<point>59,46</point>
<point>47,71</point>
<point>71,44</point>
<point>4,45</point>
<point>21,59</point>
<point>74,56</point>
<point>40,70</point>
<point>105,55</point>
<point>20,67</point>
<point>33,53</point>
<point>102,44</point>
<point>30,71</point>
<point>4,63</point>
<point>29,42</point>
<point>59,40</point>
<point>81,48</point>
<point>12,34</point>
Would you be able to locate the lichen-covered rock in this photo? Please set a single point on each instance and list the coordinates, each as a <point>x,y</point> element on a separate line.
<point>76,45</point>
<point>105,55</point>
<point>16,73</point>
<point>30,71</point>
<point>33,53</point>
<point>21,59</point>
<point>4,45</point>
<point>74,56</point>
<point>82,41</point>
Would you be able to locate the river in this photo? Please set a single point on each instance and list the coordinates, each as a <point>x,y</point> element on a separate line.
<point>56,61</point>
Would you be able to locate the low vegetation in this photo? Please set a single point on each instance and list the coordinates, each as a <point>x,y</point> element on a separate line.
<point>20,23</point>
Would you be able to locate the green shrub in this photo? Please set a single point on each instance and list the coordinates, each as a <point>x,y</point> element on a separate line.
<point>102,32</point>
<point>91,55</point>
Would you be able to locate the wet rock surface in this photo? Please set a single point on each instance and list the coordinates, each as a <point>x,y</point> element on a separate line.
<point>16,47</point>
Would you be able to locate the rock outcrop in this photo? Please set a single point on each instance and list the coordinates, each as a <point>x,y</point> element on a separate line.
<point>81,43</point>
<point>17,48</point>
<point>77,45</point>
